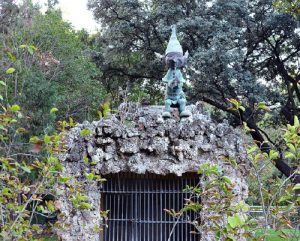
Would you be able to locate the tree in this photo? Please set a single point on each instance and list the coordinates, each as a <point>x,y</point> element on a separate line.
<point>51,4</point>
<point>51,68</point>
<point>288,6</point>
<point>241,50</point>
<point>8,13</point>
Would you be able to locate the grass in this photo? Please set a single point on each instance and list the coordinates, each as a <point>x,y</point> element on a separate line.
<point>52,238</point>
<point>281,235</point>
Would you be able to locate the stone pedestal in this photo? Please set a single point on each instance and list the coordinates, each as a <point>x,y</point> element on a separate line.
<point>138,140</point>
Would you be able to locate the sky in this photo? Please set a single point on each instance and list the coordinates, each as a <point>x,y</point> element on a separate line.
<point>76,12</point>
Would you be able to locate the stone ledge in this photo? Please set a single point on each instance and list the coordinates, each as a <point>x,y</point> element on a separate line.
<point>141,140</point>
<point>137,139</point>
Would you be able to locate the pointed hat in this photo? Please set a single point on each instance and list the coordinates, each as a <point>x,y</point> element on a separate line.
<point>174,45</point>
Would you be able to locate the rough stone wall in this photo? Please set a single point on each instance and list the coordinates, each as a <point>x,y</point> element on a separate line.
<point>139,140</point>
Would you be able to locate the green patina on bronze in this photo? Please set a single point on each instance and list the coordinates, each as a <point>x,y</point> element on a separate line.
<point>175,60</point>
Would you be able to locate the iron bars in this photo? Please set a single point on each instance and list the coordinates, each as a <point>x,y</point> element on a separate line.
<point>137,203</point>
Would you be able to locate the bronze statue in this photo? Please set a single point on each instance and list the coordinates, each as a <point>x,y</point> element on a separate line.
<point>175,60</point>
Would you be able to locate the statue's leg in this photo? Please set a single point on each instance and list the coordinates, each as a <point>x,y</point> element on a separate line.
<point>167,111</point>
<point>182,103</point>
<point>182,108</point>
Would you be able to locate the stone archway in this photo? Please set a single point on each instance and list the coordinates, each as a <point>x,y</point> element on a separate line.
<point>138,140</point>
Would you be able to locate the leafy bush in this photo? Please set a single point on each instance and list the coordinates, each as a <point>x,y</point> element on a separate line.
<point>278,197</point>
<point>28,172</point>
<point>47,64</point>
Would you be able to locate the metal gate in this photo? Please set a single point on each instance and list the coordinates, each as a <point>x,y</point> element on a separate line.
<point>137,203</point>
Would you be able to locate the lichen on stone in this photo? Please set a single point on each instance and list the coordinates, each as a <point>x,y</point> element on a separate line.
<point>137,139</point>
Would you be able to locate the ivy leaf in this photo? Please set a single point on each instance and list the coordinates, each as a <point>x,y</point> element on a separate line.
<point>51,206</point>
<point>85,205</point>
<point>6,192</point>
<point>53,110</point>
<point>64,179</point>
<point>10,70</point>
<point>242,108</point>
<point>292,147</point>
<point>26,169</point>
<point>82,197</point>
<point>15,108</point>
<point>252,149</point>
<point>289,155</point>
<point>297,186</point>
<point>34,139</point>
<point>31,49</point>
<point>227,179</point>
<point>47,139</point>
<point>11,56</point>
<point>86,160</point>
<point>235,221</point>
<point>285,198</point>
<point>2,83</point>
<point>57,167</point>
<point>89,176</point>
<point>296,121</point>
<point>85,132</point>
<point>263,106</point>
<point>273,154</point>
<point>242,206</point>
<point>20,130</point>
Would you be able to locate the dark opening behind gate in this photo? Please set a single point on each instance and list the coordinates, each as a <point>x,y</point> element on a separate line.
<point>137,203</point>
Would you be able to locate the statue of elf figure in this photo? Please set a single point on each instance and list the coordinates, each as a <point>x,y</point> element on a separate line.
<point>175,60</point>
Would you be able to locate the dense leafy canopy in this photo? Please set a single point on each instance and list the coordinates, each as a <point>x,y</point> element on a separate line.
<point>45,73</point>
<point>51,68</point>
<point>288,6</point>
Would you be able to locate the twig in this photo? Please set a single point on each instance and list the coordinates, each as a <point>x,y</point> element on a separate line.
<point>261,195</point>
<point>26,204</point>
<point>178,218</point>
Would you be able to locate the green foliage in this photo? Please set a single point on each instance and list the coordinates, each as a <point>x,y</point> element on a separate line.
<point>216,37</point>
<point>29,165</point>
<point>53,110</point>
<point>21,196</point>
<point>234,45</point>
<point>104,110</point>
<point>10,70</point>
<point>79,201</point>
<point>94,177</point>
<point>292,141</point>
<point>243,57</point>
<point>49,239</point>
<point>215,184</point>
<point>28,173</point>
<point>207,169</point>
<point>288,6</point>
<point>282,235</point>
<point>49,66</point>
<point>277,197</point>
<point>85,132</point>
<point>236,221</point>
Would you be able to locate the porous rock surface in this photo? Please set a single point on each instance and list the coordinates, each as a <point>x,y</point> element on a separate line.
<point>137,139</point>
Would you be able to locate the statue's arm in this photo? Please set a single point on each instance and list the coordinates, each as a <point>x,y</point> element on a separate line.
<point>167,77</point>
